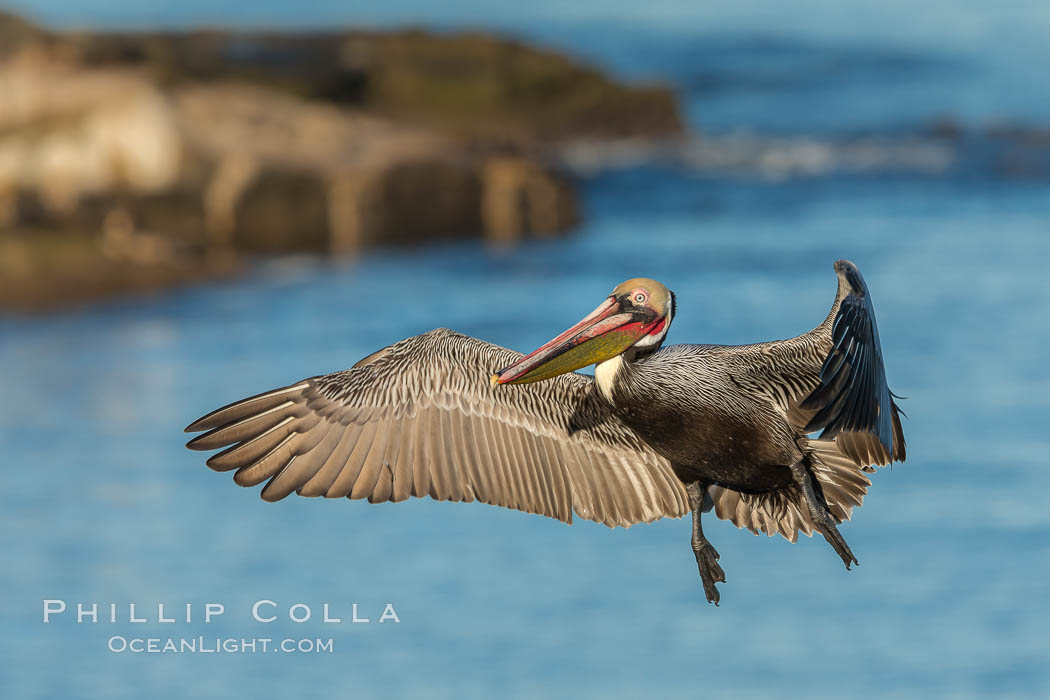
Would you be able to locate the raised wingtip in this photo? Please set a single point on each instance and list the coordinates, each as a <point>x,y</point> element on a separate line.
<point>849,272</point>
<point>842,265</point>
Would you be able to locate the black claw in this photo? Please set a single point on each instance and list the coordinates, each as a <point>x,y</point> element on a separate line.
<point>821,516</point>
<point>838,543</point>
<point>710,592</point>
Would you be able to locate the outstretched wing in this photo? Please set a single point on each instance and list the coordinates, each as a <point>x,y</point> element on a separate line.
<point>420,418</point>
<point>852,402</point>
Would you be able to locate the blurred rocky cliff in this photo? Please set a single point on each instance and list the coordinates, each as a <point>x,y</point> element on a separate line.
<point>134,161</point>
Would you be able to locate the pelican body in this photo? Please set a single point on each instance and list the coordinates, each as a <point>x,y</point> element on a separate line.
<point>657,432</point>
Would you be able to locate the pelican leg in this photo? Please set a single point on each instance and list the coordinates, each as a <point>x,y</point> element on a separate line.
<point>706,555</point>
<point>821,516</point>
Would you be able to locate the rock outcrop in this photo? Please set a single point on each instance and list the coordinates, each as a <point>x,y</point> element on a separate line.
<point>167,151</point>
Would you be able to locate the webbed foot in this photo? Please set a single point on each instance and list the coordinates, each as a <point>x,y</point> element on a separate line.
<point>710,571</point>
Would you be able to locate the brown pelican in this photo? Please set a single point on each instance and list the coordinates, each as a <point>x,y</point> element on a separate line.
<point>656,432</point>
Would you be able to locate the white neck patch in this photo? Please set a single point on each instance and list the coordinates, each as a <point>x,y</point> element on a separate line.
<point>605,374</point>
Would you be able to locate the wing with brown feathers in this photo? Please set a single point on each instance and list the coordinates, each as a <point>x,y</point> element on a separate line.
<point>420,418</point>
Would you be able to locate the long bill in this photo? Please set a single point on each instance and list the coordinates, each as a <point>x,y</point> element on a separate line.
<point>603,334</point>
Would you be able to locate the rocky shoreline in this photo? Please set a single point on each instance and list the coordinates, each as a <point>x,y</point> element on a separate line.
<point>135,161</point>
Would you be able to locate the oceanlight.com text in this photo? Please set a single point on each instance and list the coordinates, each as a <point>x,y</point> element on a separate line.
<point>218,645</point>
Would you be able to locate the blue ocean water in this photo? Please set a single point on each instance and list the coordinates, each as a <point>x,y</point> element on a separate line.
<point>102,503</point>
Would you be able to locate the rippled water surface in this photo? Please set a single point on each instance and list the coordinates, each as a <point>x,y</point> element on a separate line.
<point>101,501</point>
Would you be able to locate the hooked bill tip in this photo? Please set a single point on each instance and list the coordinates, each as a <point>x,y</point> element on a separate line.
<point>494,379</point>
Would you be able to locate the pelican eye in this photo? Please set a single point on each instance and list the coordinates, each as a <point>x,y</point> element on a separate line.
<point>639,297</point>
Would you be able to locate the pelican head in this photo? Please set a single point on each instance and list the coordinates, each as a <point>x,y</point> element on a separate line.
<point>636,315</point>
